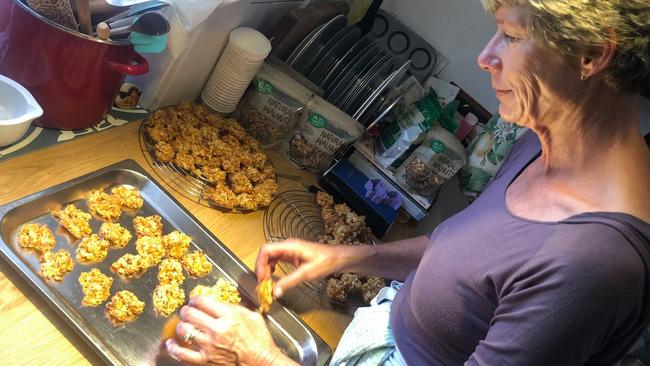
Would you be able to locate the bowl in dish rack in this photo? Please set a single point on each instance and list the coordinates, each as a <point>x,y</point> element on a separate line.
<point>18,109</point>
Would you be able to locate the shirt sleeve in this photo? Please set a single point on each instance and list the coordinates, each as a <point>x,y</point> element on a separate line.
<point>563,306</point>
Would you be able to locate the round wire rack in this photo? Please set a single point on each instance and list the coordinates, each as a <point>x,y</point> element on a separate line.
<point>295,214</point>
<point>190,186</point>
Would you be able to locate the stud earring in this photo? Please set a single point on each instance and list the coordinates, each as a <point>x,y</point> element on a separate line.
<point>583,77</point>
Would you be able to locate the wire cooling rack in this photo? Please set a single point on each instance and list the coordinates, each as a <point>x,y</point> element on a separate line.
<point>293,214</point>
<point>190,186</point>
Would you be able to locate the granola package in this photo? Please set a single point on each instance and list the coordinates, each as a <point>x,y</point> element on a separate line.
<point>408,128</point>
<point>272,105</point>
<point>486,153</point>
<point>432,164</point>
<point>322,130</point>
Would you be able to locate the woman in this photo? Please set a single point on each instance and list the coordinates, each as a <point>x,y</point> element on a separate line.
<point>549,266</point>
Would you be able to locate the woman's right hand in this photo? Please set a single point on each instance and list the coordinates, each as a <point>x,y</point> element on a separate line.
<point>312,262</point>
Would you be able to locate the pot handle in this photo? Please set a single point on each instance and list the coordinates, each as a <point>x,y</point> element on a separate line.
<point>141,67</point>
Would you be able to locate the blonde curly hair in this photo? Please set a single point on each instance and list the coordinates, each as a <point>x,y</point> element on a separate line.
<point>573,26</point>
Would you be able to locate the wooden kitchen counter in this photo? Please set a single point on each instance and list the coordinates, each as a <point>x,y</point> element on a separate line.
<point>32,333</point>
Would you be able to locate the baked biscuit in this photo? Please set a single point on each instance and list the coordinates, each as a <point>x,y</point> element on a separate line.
<point>130,266</point>
<point>54,265</point>
<point>74,220</point>
<point>151,249</point>
<point>222,291</point>
<point>170,271</point>
<point>104,205</point>
<point>148,226</point>
<point>196,264</point>
<point>116,235</point>
<point>92,249</point>
<point>124,307</point>
<point>96,287</point>
<point>129,196</point>
<point>167,298</point>
<point>35,236</point>
<point>176,244</point>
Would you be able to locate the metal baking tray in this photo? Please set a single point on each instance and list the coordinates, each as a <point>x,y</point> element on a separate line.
<point>139,342</point>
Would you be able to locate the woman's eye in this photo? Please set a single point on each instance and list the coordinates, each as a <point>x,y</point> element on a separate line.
<point>510,39</point>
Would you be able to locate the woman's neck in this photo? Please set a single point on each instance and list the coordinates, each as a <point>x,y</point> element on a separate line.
<point>599,127</point>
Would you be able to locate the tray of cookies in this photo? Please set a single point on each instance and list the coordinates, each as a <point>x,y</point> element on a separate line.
<point>117,257</point>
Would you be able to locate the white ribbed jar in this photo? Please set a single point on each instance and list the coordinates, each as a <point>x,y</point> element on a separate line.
<point>244,54</point>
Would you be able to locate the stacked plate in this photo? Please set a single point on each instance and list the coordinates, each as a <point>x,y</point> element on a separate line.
<point>355,71</point>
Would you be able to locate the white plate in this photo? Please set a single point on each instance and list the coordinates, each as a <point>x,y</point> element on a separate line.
<point>345,61</point>
<point>334,55</point>
<point>393,79</point>
<point>313,46</point>
<point>355,67</point>
<point>358,79</point>
<point>324,49</point>
<point>301,46</point>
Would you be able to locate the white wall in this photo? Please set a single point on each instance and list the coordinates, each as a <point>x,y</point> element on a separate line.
<point>459,29</point>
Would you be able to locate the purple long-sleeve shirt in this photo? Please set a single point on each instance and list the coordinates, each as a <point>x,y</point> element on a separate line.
<point>496,289</point>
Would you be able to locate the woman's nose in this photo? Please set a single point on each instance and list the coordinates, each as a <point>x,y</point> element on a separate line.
<point>488,59</point>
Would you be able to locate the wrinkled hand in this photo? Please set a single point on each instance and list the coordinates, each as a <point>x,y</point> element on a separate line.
<point>312,262</point>
<point>227,335</point>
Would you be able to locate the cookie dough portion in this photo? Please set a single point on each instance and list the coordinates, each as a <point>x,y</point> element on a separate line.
<point>196,264</point>
<point>170,271</point>
<point>151,249</point>
<point>148,226</point>
<point>92,249</point>
<point>55,265</point>
<point>74,220</point>
<point>35,236</point>
<point>128,196</point>
<point>176,244</point>
<point>167,298</point>
<point>130,266</point>
<point>124,307</point>
<point>265,295</point>
<point>96,287</point>
<point>116,235</point>
<point>104,205</point>
<point>222,291</point>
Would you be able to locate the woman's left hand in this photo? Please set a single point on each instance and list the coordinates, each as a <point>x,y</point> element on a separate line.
<point>224,334</point>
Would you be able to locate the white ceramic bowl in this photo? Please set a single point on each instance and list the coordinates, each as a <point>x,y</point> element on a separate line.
<point>18,109</point>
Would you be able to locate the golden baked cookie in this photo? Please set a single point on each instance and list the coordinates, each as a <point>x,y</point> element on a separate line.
<point>196,264</point>
<point>116,235</point>
<point>167,298</point>
<point>96,287</point>
<point>151,249</point>
<point>170,271</point>
<point>74,220</point>
<point>264,291</point>
<point>148,226</point>
<point>92,249</point>
<point>124,307</point>
<point>55,265</point>
<point>222,291</point>
<point>129,196</point>
<point>35,236</point>
<point>176,244</point>
<point>130,266</point>
<point>104,205</point>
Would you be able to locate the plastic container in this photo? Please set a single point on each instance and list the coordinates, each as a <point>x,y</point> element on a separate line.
<point>18,109</point>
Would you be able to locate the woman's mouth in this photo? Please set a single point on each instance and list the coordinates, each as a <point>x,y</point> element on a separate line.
<point>501,93</point>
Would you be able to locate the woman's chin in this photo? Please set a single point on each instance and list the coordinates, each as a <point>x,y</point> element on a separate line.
<point>507,114</point>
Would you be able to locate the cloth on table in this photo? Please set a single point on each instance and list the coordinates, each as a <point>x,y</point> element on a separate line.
<point>368,340</point>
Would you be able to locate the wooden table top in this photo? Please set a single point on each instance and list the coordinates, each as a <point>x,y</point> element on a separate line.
<point>32,333</point>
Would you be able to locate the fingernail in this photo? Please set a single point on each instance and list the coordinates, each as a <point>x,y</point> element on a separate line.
<point>277,292</point>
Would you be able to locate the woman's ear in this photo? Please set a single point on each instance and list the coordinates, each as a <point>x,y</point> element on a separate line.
<point>597,59</point>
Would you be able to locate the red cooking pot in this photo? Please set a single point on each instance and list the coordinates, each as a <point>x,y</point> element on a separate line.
<point>73,76</point>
